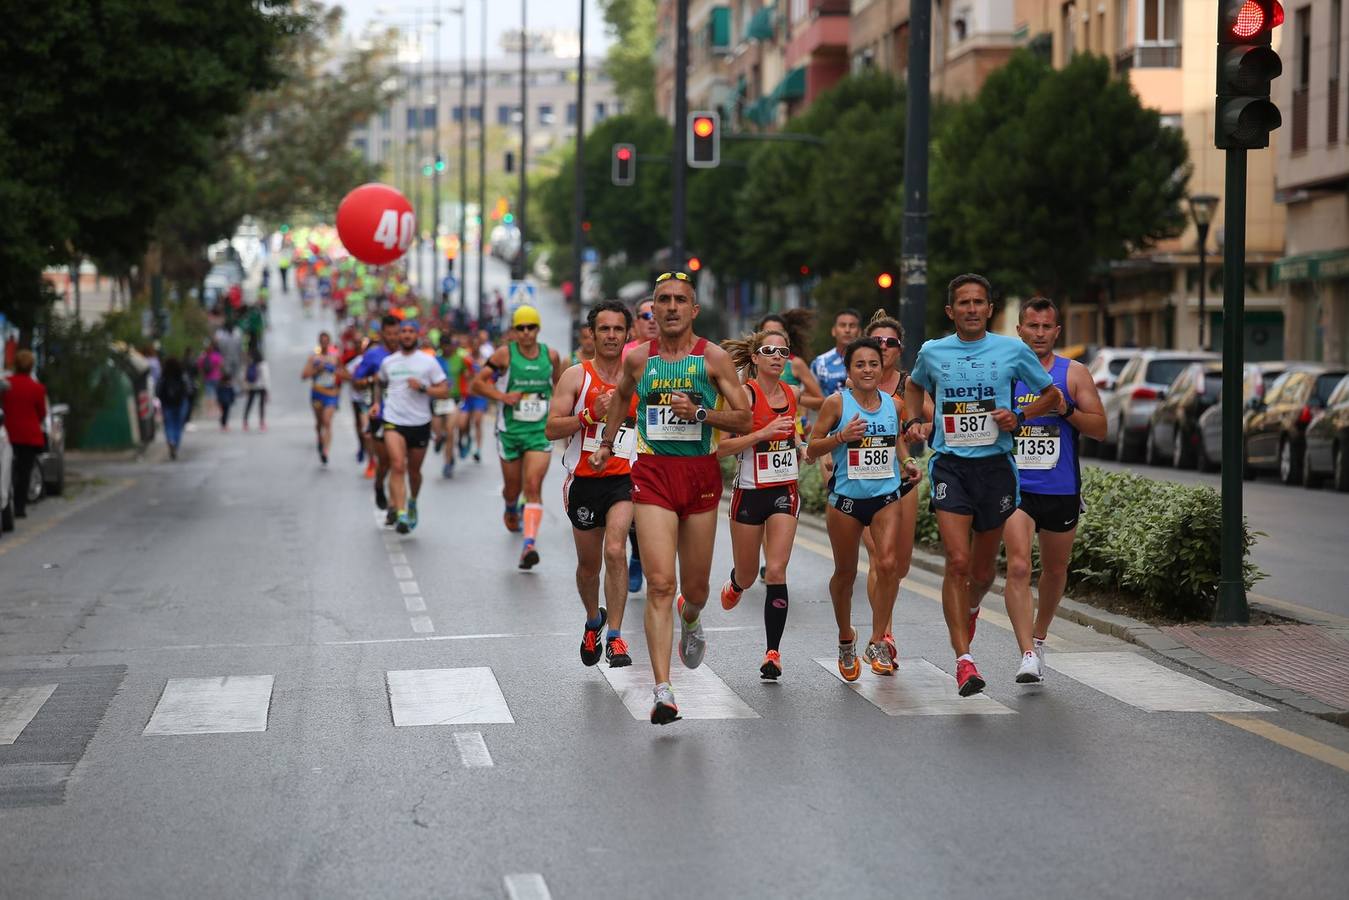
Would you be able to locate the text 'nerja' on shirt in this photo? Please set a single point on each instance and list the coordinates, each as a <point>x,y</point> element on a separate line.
<point>660,430</point>
<point>968,380</point>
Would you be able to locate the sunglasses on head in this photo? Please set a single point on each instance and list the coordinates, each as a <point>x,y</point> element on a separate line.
<point>526,328</point>
<point>666,276</point>
<point>889,342</point>
<point>784,352</point>
<point>646,315</point>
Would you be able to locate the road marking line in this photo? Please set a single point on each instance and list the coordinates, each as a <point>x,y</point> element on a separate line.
<point>529,886</point>
<point>918,688</point>
<point>422,624</point>
<point>473,752</point>
<point>29,532</point>
<point>224,705</point>
<point>402,571</point>
<point>18,707</point>
<point>409,587</point>
<point>398,559</point>
<point>700,693</point>
<point>1138,681</point>
<point>469,696</point>
<point>414,604</point>
<point>1298,743</point>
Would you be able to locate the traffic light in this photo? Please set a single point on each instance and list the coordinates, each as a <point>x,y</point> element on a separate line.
<point>440,163</point>
<point>624,170</point>
<point>889,293</point>
<point>694,264</point>
<point>704,140</point>
<point>427,170</point>
<point>1247,64</point>
<point>509,163</point>
<point>885,281</point>
<point>508,218</point>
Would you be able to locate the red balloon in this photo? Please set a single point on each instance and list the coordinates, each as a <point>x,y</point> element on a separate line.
<point>376,224</point>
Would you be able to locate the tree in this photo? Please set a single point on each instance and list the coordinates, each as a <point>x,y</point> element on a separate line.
<point>631,60</point>
<point>1047,173</point>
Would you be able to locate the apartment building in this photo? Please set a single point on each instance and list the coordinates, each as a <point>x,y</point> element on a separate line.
<point>1313,181</point>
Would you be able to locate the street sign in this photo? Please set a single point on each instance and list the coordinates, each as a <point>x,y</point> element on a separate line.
<point>448,284</point>
<point>591,256</point>
<point>521,293</point>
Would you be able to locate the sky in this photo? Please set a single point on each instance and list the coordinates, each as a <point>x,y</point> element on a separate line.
<point>502,16</point>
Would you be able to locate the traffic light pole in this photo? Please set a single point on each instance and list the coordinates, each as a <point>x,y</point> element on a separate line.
<point>1231,605</point>
<point>913,308</point>
<point>681,136</point>
<point>482,165</point>
<point>520,270</point>
<point>577,232</point>
<point>462,253</point>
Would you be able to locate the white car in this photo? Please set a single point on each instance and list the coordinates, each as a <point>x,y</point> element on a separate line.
<point>6,479</point>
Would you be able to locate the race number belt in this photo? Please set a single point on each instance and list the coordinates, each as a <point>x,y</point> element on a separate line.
<point>625,442</point>
<point>531,408</point>
<point>969,423</point>
<point>872,458</point>
<point>664,424</point>
<point>774,462</point>
<point>1037,447</point>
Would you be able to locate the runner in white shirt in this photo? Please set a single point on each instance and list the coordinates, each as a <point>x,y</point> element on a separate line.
<point>406,379</point>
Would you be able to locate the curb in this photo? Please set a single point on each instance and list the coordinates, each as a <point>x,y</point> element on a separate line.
<point>1152,638</point>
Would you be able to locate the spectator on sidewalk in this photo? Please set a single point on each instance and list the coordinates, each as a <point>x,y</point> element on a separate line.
<point>224,395</point>
<point>25,405</point>
<point>256,382</point>
<point>231,345</point>
<point>175,401</point>
<point>211,365</point>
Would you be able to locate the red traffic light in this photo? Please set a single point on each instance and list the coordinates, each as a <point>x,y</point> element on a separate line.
<point>694,264</point>
<point>703,126</point>
<point>623,153</point>
<point>885,281</point>
<point>1252,19</point>
<point>585,225</point>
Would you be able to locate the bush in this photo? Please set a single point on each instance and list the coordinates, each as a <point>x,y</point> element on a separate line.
<point>75,370</point>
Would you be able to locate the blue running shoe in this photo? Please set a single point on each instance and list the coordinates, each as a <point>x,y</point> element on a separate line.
<point>447,470</point>
<point>404,523</point>
<point>412,514</point>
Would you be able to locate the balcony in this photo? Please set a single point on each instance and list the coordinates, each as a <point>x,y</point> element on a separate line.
<point>1148,56</point>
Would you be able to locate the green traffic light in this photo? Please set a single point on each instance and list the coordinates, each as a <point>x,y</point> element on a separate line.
<point>440,165</point>
<point>508,218</point>
<point>426,170</point>
<point>285,228</point>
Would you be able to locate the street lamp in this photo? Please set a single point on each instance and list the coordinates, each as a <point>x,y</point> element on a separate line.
<point>1202,208</point>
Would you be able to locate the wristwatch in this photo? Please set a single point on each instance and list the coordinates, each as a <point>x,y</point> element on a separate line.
<point>1069,408</point>
<point>1021,417</point>
<point>700,414</point>
<point>916,420</point>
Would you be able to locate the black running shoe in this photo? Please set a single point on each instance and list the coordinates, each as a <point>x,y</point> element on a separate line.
<point>616,651</point>
<point>391,516</point>
<point>381,502</point>
<point>439,444</point>
<point>404,525</point>
<point>590,640</point>
<point>530,557</point>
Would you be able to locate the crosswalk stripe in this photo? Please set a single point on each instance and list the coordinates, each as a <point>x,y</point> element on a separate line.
<point>918,688</point>
<point>18,707</point>
<point>700,693</point>
<point>473,752</point>
<point>528,886</point>
<point>446,697</point>
<point>223,705</point>
<point>1138,681</point>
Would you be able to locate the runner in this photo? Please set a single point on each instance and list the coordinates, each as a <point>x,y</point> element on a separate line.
<point>361,398</point>
<point>406,380</point>
<point>472,408</point>
<point>1051,482</point>
<point>796,324</point>
<point>530,369</point>
<point>828,368</point>
<point>321,368</point>
<point>766,502</point>
<point>598,501</point>
<point>859,427</point>
<point>676,481</point>
<point>364,379</point>
<point>644,331</point>
<point>585,344</point>
<point>974,484</point>
<point>445,412</point>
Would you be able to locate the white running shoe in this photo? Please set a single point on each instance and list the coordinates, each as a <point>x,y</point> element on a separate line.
<point>1030,671</point>
<point>692,641</point>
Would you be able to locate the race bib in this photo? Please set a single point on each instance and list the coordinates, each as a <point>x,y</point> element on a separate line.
<point>325,379</point>
<point>969,423</point>
<point>531,408</point>
<point>776,464</point>
<point>625,442</point>
<point>872,458</point>
<point>1037,446</point>
<point>662,424</point>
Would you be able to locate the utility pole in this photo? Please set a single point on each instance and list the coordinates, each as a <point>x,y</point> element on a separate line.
<point>482,161</point>
<point>913,306</point>
<point>463,155</point>
<point>680,132</point>
<point>435,166</point>
<point>577,229</point>
<point>518,270</point>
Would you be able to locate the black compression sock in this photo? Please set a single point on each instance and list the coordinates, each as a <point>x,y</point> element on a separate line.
<point>775,614</point>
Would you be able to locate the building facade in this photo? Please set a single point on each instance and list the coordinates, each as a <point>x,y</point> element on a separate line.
<point>1313,181</point>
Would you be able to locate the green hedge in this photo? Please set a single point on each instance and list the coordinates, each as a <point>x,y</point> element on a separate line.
<point>1155,542</point>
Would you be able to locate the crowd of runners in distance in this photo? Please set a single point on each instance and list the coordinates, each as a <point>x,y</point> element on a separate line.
<point>645,409</point>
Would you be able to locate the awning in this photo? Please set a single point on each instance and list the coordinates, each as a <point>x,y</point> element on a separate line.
<point>1326,265</point>
<point>760,26</point>
<point>792,86</point>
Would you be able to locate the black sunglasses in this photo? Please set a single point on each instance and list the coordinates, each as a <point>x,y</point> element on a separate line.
<point>526,328</point>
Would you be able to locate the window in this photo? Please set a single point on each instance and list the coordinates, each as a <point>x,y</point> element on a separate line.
<point>546,116</point>
<point>1069,24</point>
<point>1121,24</point>
<point>414,121</point>
<point>1325,384</point>
<point>359,144</point>
<point>571,113</point>
<point>600,112</point>
<point>429,117</point>
<point>1302,76</point>
<point>385,119</point>
<point>1340,394</point>
<point>457,114</point>
<point>475,114</point>
<point>504,115</point>
<point>1160,22</point>
<point>385,149</point>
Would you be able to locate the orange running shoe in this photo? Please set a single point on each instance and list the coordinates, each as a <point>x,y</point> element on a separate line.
<point>889,641</point>
<point>729,595</point>
<point>771,669</point>
<point>879,657</point>
<point>849,666</point>
<point>370,469</point>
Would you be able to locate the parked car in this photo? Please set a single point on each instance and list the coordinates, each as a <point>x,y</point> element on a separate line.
<point>1142,383</point>
<point>51,463</point>
<point>1107,363</point>
<point>1173,434</point>
<point>1277,426</point>
<point>1326,444</point>
<point>1255,381</point>
<point>6,479</point>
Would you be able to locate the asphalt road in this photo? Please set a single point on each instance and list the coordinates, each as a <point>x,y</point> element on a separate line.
<point>1305,533</point>
<point>204,690</point>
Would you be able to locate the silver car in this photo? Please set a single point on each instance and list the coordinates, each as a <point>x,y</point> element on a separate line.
<point>1144,381</point>
<point>6,479</point>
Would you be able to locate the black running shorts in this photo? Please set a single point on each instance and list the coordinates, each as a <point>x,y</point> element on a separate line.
<point>754,506</point>
<point>1052,512</point>
<point>982,487</point>
<point>588,500</point>
<point>418,437</point>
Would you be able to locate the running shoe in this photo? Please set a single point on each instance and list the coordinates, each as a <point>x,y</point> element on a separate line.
<point>370,469</point>
<point>412,513</point>
<point>692,641</point>
<point>771,669</point>
<point>439,444</point>
<point>464,445</point>
<point>889,641</point>
<point>447,470</point>
<point>590,640</point>
<point>848,664</point>
<point>634,575</point>
<point>391,517</point>
<point>974,620</point>
<point>616,652</point>
<point>360,454</point>
<point>512,519</point>
<point>529,557</point>
<point>1030,671</point>
<point>968,679</point>
<point>664,711</point>
<point>879,657</point>
<point>729,595</point>
<point>381,501</point>
<point>323,457</point>
<point>477,456</point>
<point>404,525</point>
